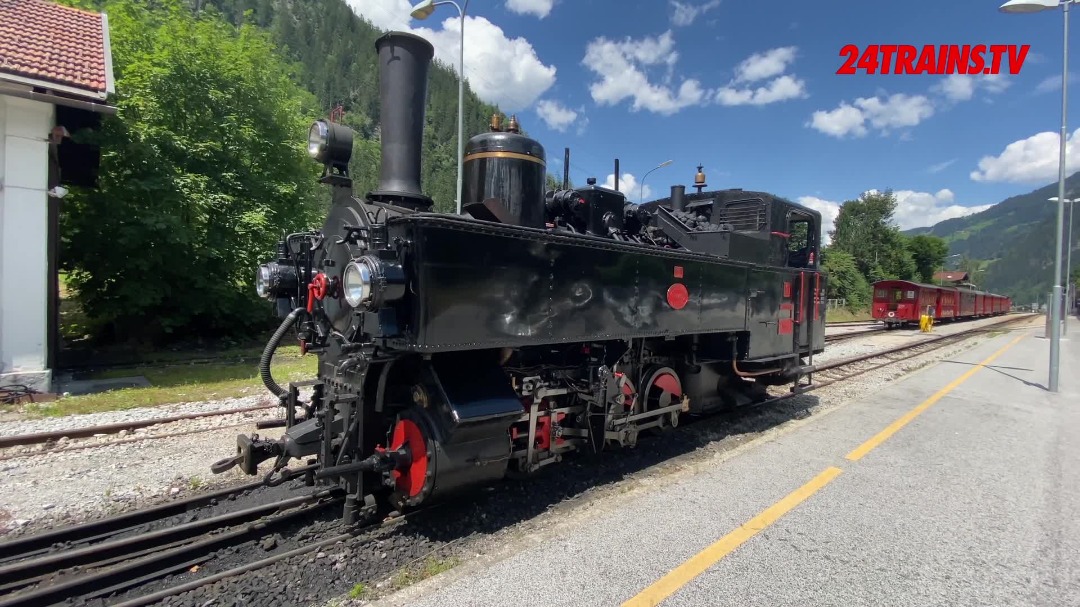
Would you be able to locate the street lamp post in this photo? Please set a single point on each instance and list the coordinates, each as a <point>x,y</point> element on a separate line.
<point>1032,6</point>
<point>641,190</point>
<point>946,263</point>
<point>423,10</point>
<point>1068,261</point>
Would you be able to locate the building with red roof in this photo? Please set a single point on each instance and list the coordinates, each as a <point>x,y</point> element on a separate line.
<point>55,80</point>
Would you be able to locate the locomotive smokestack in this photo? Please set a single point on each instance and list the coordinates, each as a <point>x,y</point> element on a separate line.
<point>678,197</point>
<point>404,60</point>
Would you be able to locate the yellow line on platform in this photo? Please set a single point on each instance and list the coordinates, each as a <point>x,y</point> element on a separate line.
<point>894,427</point>
<point>667,585</point>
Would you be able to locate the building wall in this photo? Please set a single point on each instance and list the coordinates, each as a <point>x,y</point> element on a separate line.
<point>24,131</point>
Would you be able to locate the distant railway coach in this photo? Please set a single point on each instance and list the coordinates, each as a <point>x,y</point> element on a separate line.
<point>902,302</point>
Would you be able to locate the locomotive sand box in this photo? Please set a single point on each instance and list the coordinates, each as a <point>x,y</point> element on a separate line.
<point>457,349</point>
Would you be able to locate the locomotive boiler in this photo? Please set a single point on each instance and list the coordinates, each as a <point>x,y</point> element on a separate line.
<point>455,350</point>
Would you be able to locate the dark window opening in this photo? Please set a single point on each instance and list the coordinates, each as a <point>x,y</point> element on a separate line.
<point>802,239</point>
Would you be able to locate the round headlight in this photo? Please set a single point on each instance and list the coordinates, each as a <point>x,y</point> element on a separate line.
<point>356,283</point>
<point>262,281</point>
<point>318,140</point>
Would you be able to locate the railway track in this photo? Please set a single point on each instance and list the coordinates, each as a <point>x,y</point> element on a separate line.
<point>124,559</point>
<point>101,558</point>
<point>45,438</point>
<point>854,366</point>
<point>835,337</point>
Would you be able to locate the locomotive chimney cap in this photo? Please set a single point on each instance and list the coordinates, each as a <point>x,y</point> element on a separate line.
<point>513,127</point>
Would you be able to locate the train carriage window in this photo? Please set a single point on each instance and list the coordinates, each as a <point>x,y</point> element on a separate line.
<point>801,240</point>
<point>881,294</point>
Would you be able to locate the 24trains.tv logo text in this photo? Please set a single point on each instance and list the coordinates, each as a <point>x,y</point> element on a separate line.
<point>931,59</point>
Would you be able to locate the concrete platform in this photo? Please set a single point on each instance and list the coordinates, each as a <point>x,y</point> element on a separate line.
<point>959,485</point>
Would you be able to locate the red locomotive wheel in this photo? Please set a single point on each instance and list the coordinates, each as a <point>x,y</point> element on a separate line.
<point>661,388</point>
<point>410,481</point>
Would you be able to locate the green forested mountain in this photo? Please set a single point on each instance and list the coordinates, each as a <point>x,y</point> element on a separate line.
<point>1016,238</point>
<point>335,50</point>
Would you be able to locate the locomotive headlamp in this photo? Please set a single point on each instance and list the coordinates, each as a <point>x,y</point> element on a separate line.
<point>356,283</point>
<point>370,282</point>
<point>330,144</point>
<point>275,280</point>
<point>262,281</point>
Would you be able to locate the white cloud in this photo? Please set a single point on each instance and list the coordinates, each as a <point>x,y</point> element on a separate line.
<point>555,115</point>
<point>622,70</point>
<point>1035,159</point>
<point>760,66</point>
<point>629,186</point>
<point>887,113</point>
<point>1052,83</point>
<point>383,14</point>
<point>828,209</point>
<point>884,114</point>
<point>913,209</point>
<point>540,8</point>
<point>844,120</point>
<point>962,87</point>
<point>923,209</point>
<point>620,66</point>
<point>783,88</point>
<point>501,70</point>
<point>686,13</point>
<point>941,166</point>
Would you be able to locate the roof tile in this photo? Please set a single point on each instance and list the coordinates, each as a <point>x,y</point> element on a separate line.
<point>47,41</point>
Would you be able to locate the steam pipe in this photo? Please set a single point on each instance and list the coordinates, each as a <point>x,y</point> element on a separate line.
<point>566,169</point>
<point>268,354</point>
<point>616,174</point>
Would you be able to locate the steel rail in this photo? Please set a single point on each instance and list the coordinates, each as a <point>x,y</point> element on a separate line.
<point>194,584</point>
<point>155,565</point>
<point>87,431</point>
<point>14,573</point>
<point>101,529</point>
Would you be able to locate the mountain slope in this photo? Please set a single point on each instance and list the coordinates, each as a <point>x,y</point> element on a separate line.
<point>1017,234</point>
<point>336,49</point>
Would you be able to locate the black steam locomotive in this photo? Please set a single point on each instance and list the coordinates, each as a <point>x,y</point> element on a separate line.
<point>457,349</point>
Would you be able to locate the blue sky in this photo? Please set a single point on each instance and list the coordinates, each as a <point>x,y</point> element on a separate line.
<point>750,90</point>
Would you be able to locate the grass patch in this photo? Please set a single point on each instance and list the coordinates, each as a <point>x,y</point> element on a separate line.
<point>358,591</point>
<point>431,567</point>
<point>182,383</point>
<point>845,315</point>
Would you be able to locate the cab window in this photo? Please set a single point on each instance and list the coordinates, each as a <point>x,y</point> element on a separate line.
<point>802,240</point>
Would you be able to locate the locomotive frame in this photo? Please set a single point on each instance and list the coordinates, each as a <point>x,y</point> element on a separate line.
<point>456,350</point>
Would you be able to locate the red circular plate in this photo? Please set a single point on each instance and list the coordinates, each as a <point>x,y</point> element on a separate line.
<point>677,296</point>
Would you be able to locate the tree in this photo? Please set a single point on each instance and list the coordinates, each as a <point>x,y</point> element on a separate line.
<point>929,253</point>
<point>555,183</point>
<point>975,268</point>
<point>864,229</point>
<point>202,169</point>
<point>845,281</point>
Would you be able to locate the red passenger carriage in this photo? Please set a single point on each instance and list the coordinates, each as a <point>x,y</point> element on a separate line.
<point>902,302</point>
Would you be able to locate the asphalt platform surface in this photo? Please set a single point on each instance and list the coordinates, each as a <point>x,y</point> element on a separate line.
<point>958,485</point>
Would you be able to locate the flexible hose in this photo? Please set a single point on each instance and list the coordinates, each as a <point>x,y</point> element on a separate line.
<point>268,353</point>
